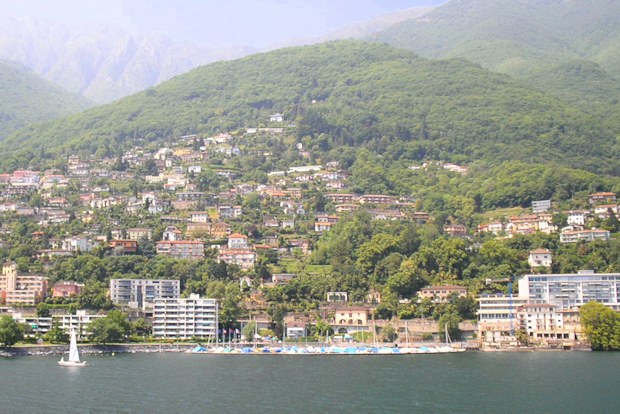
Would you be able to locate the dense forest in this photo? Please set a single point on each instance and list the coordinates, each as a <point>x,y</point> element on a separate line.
<point>565,48</point>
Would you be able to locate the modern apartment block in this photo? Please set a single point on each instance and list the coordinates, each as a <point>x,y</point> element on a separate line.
<point>21,289</point>
<point>185,318</point>
<point>138,293</point>
<point>572,290</point>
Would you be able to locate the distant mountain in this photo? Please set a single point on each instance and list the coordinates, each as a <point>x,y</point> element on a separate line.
<point>105,63</point>
<point>25,97</point>
<point>570,48</point>
<point>343,94</point>
<point>101,63</point>
<point>359,30</point>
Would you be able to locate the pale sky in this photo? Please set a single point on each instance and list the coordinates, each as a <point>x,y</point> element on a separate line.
<point>214,23</point>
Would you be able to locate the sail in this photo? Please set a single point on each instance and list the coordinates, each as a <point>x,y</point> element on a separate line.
<point>74,355</point>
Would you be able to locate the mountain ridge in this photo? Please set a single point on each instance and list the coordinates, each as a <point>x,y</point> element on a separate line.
<point>102,63</point>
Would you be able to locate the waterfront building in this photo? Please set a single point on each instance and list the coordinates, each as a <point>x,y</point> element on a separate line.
<point>37,325</point>
<point>139,293</point>
<point>21,289</point>
<point>351,319</point>
<point>77,323</point>
<point>185,318</point>
<point>542,321</point>
<point>497,318</point>
<point>572,289</point>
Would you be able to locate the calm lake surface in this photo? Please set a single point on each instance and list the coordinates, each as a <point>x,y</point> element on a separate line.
<point>470,382</point>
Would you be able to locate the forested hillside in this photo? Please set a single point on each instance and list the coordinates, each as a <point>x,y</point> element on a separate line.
<point>343,94</point>
<point>25,98</point>
<point>564,47</point>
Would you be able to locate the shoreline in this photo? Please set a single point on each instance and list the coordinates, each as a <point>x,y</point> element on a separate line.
<point>45,350</point>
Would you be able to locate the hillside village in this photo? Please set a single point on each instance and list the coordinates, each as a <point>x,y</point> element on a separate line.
<point>158,225</point>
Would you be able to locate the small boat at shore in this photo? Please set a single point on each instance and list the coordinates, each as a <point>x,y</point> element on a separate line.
<point>331,350</point>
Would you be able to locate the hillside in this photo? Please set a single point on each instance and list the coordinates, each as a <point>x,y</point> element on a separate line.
<point>529,39</point>
<point>102,63</point>
<point>26,98</point>
<point>345,94</point>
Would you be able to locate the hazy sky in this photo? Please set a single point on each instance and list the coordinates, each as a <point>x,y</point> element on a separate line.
<point>214,22</point>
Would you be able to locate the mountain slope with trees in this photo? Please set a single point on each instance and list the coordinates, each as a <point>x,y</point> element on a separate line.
<point>26,98</point>
<point>339,94</point>
<point>560,46</point>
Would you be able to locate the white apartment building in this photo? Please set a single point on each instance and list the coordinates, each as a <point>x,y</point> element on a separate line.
<point>542,321</point>
<point>572,290</point>
<point>77,323</point>
<point>138,293</point>
<point>185,318</point>
<point>584,235</point>
<point>38,325</point>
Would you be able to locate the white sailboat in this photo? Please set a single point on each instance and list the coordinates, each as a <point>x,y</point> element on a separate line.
<point>74,355</point>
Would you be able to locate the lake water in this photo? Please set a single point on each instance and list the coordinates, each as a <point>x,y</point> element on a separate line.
<point>470,382</point>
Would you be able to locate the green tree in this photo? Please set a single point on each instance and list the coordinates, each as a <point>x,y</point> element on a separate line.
<point>389,333</point>
<point>112,328</point>
<point>230,306</point>
<point>248,331</point>
<point>323,328</point>
<point>451,319</point>
<point>43,310</point>
<point>601,326</point>
<point>56,335</point>
<point>10,331</point>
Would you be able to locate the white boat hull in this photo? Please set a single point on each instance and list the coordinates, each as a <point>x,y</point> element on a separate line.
<point>64,363</point>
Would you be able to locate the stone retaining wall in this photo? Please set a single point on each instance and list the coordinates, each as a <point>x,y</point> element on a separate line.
<point>94,349</point>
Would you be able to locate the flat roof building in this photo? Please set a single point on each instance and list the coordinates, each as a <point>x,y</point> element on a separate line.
<point>21,289</point>
<point>138,293</point>
<point>572,289</point>
<point>185,318</point>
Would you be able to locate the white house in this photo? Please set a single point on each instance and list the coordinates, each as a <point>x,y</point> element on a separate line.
<point>237,241</point>
<point>540,258</point>
<point>276,118</point>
